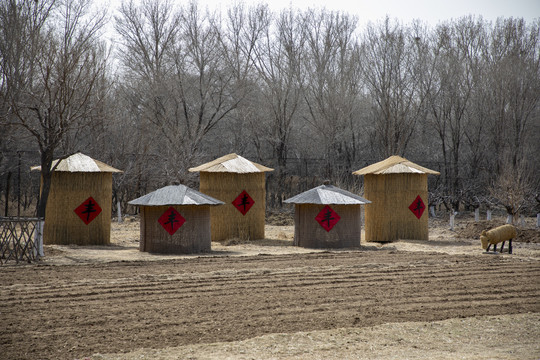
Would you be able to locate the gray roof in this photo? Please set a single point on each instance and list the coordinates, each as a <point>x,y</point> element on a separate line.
<point>326,195</point>
<point>175,195</point>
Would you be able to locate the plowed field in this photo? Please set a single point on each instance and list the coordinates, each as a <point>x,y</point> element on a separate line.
<point>73,311</point>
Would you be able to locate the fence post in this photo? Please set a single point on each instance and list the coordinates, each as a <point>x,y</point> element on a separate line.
<point>38,240</point>
<point>119,211</point>
<point>538,220</point>
<point>488,215</point>
<point>477,214</point>
<point>452,216</point>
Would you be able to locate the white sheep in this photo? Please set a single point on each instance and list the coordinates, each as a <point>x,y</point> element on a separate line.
<point>497,235</point>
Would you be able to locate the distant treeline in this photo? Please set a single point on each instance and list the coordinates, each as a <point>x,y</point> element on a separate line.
<point>309,93</point>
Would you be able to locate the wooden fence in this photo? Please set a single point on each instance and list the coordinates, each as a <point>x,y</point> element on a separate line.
<point>20,239</point>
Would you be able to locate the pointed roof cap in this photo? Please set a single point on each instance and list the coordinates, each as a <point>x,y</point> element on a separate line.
<point>79,162</point>
<point>175,195</point>
<point>327,195</point>
<point>231,163</point>
<point>395,165</point>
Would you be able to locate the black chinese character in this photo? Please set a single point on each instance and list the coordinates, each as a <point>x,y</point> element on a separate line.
<point>328,217</point>
<point>89,208</point>
<point>172,220</point>
<point>245,201</point>
<point>419,206</point>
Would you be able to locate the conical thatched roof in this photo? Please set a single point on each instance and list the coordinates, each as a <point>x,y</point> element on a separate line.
<point>231,163</point>
<point>327,195</point>
<point>79,162</point>
<point>175,195</point>
<point>395,165</point>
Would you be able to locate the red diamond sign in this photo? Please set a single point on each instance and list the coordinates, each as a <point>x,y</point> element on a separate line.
<point>88,210</point>
<point>243,202</point>
<point>417,207</point>
<point>327,218</point>
<point>171,220</point>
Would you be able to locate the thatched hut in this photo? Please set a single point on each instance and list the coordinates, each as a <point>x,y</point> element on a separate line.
<point>79,204</point>
<point>241,184</point>
<point>399,191</point>
<point>175,220</point>
<point>327,217</point>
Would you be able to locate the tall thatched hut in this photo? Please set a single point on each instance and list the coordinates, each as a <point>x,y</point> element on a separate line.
<point>327,217</point>
<point>241,184</point>
<point>398,190</point>
<point>79,204</point>
<point>175,220</point>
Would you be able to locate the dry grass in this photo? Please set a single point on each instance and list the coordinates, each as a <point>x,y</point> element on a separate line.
<point>226,221</point>
<point>68,191</point>
<point>388,217</point>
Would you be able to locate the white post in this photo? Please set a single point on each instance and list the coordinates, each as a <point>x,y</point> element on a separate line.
<point>119,211</point>
<point>509,219</point>
<point>538,220</point>
<point>452,216</point>
<point>488,215</point>
<point>477,214</point>
<point>432,210</point>
<point>38,239</point>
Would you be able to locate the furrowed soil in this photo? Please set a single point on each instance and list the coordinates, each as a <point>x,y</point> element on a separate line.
<point>438,299</point>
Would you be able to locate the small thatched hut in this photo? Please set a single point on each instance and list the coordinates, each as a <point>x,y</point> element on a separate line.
<point>79,204</point>
<point>399,191</point>
<point>241,184</point>
<point>175,220</point>
<point>327,217</point>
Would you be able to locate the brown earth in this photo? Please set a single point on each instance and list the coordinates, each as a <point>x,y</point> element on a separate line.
<point>441,298</point>
<point>472,229</point>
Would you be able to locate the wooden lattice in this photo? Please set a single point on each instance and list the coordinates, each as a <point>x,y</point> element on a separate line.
<point>19,239</point>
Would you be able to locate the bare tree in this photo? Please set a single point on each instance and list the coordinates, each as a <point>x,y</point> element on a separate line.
<point>388,63</point>
<point>514,60</point>
<point>192,79</point>
<point>332,85</point>
<point>456,51</point>
<point>63,66</point>
<point>277,58</point>
<point>514,187</point>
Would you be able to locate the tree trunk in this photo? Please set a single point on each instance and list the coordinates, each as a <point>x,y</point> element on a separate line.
<point>8,181</point>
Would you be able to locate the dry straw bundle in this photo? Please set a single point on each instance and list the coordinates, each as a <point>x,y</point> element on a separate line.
<point>234,179</point>
<point>84,184</point>
<point>175,220</point>
<point>399,194</point>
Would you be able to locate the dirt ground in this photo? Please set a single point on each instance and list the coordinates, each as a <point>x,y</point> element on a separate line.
<point>438,299</point>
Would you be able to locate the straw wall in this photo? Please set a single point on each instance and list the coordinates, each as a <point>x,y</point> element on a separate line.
<point>226,221</point>
<point>310,234</point>
<point>68,191</point>
<point>191,238</point>
<point>388,217</point>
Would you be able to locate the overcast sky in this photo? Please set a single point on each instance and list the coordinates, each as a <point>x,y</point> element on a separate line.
<point>431,11</point>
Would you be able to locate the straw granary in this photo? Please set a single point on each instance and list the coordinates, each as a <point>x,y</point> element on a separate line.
<point>241,185</point>
<point>79,204</point>
<point>398,190</point>
<point>175,220</point>
<point>327,217</point>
